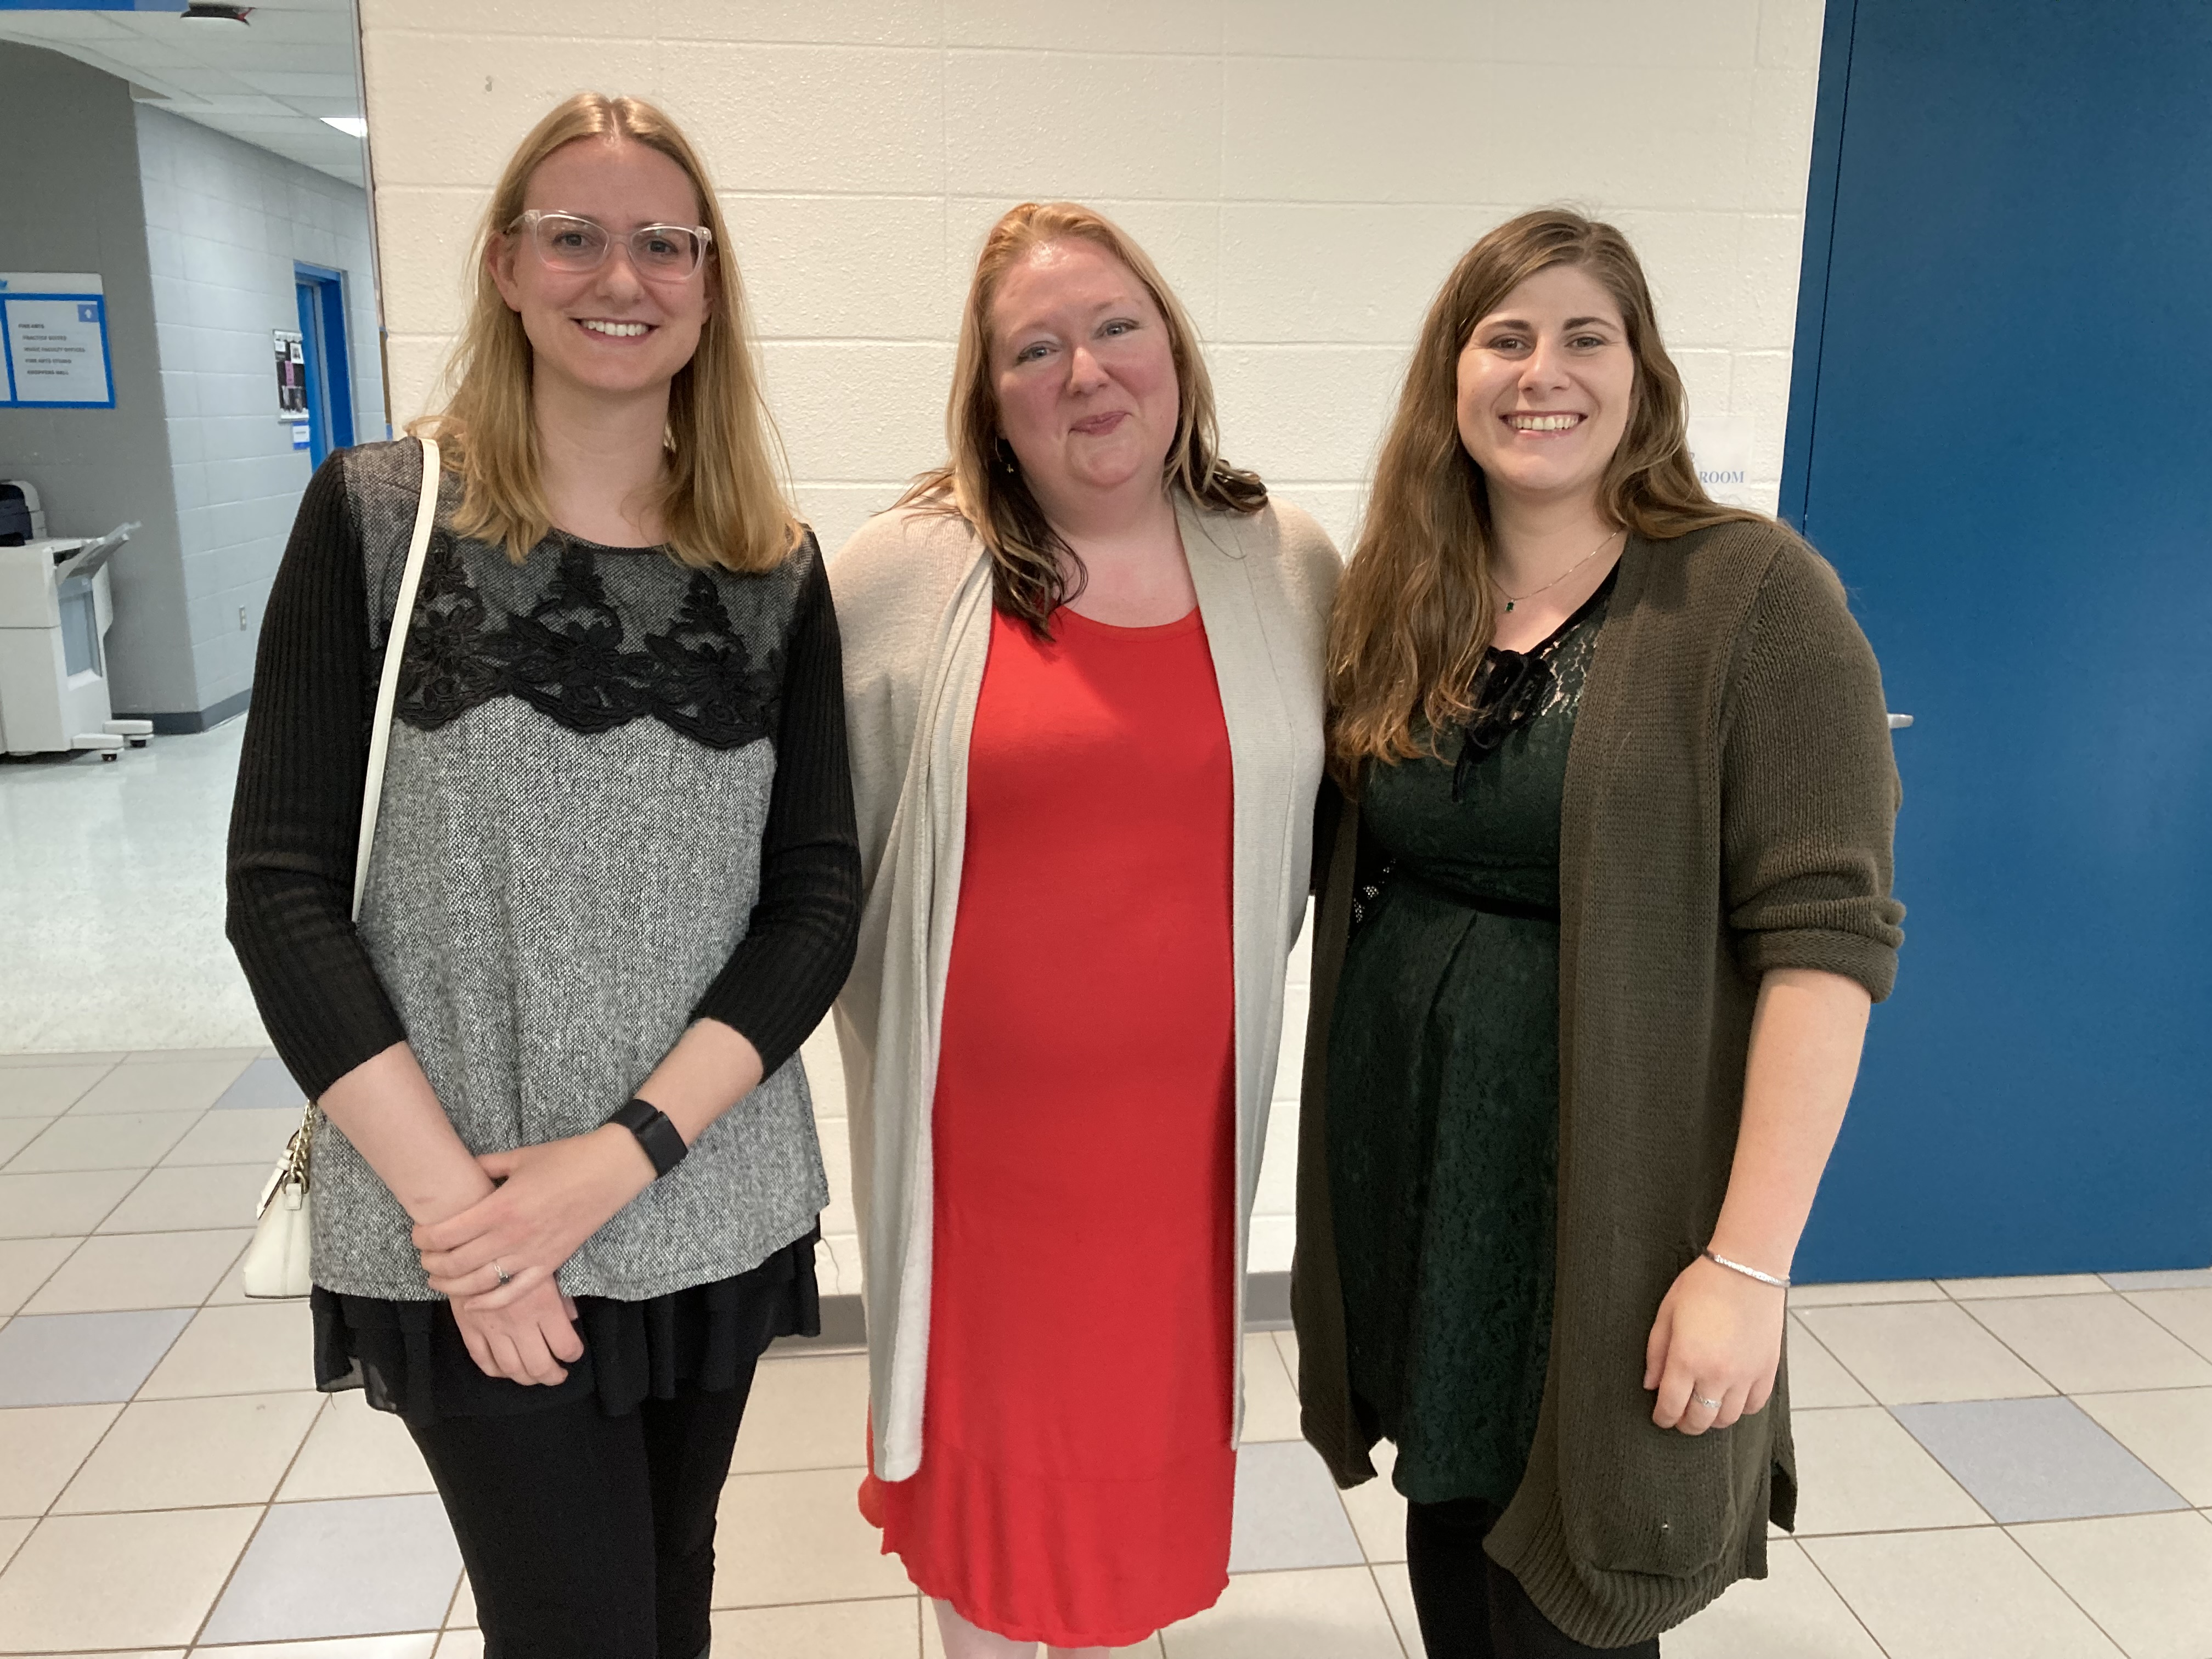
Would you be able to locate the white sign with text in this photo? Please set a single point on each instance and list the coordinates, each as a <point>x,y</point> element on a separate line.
<point>53,336</point>
<point>1719,447</point>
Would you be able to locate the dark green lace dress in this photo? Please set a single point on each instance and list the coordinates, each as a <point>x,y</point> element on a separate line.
<point>1444,1083</point>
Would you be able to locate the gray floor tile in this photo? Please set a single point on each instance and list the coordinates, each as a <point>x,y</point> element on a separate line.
<point>351,1566</point>
<point>263,1085</point>
<point>71,1360</point>
<point>1287,1514</point>
<point>2179,1279</point>
<point>2170,1429</point>
<point>2037,1460</point>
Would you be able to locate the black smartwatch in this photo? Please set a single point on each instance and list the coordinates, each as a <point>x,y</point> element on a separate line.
<point>662,1142</point>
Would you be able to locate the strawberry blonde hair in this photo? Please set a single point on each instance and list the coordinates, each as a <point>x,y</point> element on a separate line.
<point>1033,570</point>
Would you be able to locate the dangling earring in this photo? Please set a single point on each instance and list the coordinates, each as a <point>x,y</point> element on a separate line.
<point>1006,461</point>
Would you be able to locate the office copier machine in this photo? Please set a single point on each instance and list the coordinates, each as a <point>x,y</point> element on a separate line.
<point>55,612</point>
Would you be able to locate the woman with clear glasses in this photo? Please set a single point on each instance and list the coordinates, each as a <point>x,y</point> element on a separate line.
<point>1601,928</point>
<point>1086,697</point>
<point>566,1183</point>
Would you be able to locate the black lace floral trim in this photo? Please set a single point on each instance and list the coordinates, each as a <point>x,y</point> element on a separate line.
<point>569,657</point>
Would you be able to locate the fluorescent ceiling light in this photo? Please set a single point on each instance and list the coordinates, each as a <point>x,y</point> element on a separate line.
<point>352,125</point>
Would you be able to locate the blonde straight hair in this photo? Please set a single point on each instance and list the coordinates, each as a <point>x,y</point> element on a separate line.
<point>722,498</point>
<point>1415,612</point>
<point>1034,571</point>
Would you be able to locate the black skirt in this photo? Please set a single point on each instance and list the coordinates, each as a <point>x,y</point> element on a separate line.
<point>409,1357</point>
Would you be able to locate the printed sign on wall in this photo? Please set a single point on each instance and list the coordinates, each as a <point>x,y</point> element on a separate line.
<point>291,374</point>
<point>1720,447</point>
<point>53,340</point>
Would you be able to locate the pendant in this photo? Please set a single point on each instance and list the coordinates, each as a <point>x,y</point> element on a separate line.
<point>1510,603</point>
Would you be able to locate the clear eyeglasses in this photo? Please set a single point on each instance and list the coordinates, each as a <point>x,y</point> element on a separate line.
<point>570,242</point>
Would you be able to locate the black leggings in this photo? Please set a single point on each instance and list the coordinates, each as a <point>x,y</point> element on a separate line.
<point>1469,1607</point>
<point>588,1537</point>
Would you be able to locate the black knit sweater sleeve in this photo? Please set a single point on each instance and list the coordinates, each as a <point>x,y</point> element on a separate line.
<point>295,820</point>
<point>782,977</point>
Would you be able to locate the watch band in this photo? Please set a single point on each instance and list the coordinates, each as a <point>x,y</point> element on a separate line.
<point>663,1142</point>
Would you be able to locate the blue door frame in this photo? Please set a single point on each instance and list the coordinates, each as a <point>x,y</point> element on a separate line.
<point>1998,425</point>
<point>321,294</point>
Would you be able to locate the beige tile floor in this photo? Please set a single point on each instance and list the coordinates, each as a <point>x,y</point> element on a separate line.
<point>167,1505</point>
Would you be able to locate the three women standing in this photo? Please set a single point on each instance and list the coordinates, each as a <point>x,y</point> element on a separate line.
<point>1602,922</point>
<point>1084,685</point>
<point>613,884</point>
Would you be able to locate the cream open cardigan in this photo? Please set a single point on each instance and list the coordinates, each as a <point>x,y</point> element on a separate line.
<point>913,592</point>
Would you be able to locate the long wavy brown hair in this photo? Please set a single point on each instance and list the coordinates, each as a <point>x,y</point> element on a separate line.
<point>722,494</point>
<point>1033,569</point>
<point>1415,612</point>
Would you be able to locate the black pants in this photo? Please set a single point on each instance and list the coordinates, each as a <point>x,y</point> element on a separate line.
<point>588,1537</point>
<point>1469,1607</point>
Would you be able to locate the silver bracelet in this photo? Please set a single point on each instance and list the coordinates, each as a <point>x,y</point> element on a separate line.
<point>1748,1273</point>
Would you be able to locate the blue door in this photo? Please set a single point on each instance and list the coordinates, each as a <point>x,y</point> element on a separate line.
<point>321,295</point>
<point>2000,433</point>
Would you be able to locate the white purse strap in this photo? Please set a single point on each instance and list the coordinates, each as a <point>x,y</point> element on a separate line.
<point>395,646</point>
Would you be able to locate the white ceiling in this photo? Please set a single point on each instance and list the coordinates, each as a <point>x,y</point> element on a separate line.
<point>268,81</point>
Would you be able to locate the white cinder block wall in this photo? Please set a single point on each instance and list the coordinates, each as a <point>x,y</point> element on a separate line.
<point>1304,171</point>
<point>224,222</point>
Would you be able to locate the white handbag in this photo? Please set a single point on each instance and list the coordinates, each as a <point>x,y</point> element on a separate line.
<point>276,1262</point>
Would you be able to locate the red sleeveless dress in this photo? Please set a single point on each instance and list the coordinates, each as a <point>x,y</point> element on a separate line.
<point>1076,1475</point>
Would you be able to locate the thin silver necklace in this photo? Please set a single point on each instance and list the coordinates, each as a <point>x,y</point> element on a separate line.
<point>1512,599</point>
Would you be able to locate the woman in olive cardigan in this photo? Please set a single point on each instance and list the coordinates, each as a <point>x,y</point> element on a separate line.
<point>1721,918</point>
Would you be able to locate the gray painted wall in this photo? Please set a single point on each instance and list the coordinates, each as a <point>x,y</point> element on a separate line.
<point>224,223</point>
<point>193,234</point>
<point>72,204</point>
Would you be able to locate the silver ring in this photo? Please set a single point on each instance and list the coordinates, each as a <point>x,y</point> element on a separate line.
<point>504,1276</point>
<point>1710,1405</point>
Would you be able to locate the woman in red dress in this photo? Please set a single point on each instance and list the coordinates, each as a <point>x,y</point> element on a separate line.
<point>1083,672</point>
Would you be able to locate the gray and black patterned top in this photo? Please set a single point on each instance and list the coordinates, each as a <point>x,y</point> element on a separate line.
<point>617,799</point>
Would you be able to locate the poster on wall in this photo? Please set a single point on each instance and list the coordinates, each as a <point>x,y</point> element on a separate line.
<point>291,374</point>
<point>53,340</point>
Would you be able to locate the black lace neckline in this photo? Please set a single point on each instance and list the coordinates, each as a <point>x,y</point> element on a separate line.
<point>572,657</point>
<point>1512,688</point>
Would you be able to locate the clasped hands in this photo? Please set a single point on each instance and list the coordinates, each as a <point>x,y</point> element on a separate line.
<point>1714,1349</point>
<point>495,1261</point>
<point>1717,1337</point>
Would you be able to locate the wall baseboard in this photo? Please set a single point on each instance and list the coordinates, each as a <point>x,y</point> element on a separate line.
<point>183,724</point>
<point>844,1325</point>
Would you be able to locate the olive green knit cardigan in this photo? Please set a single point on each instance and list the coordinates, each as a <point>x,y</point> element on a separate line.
<point>1729,800</point>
